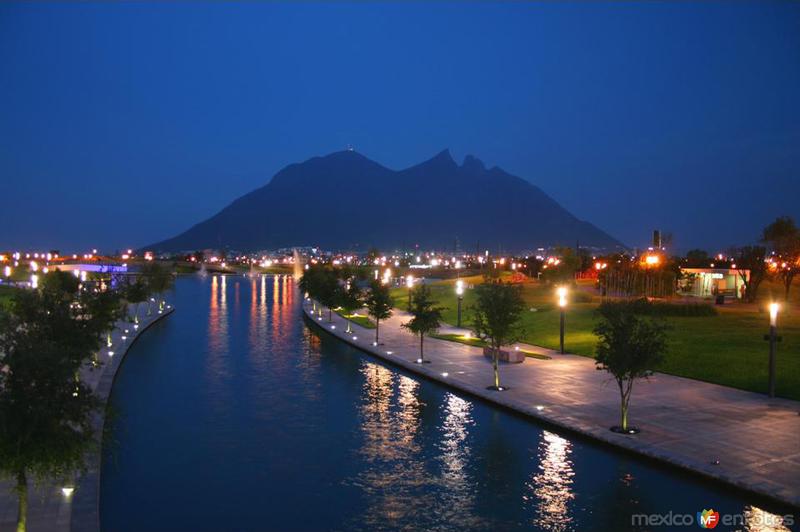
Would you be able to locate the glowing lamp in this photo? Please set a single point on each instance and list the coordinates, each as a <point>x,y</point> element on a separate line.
<point>409,280</point>
<point>773,314</point>
<point>562,296</point>
<point>460,287</point>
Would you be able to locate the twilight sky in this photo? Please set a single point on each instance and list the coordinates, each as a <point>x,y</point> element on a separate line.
<point>121,125</point>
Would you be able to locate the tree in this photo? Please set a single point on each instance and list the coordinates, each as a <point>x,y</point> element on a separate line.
<point>136,292</point>
<point>159,279</point>
<point>379,304</point>
<point>350,299</point>
<point>563,271</point>
<point>697,258</point>
<point>46,336</point>
<point>311,282</point>
<point>630,347</point>
<point>426,317</point>
<point>329,291</point>
<point>751,259</point>
<point>783,236</point>
<point>496,317</point>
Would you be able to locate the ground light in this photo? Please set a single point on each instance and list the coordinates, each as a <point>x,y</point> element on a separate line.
<point>460,294</point>
<point>773,339</point>
<point>67,491</point>
<point>562,304</point>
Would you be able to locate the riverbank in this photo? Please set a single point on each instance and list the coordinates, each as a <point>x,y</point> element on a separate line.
<point>54,508</point>
<point>740,438</point>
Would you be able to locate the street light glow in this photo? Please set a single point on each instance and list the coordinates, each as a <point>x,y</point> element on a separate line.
<point>773,314</point>
<point>410,281</point>
<point>460,287</point>
<point>562,296</point>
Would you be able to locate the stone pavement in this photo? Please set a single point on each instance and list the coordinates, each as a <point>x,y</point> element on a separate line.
<point>741,438</point>
<point>49,508</point>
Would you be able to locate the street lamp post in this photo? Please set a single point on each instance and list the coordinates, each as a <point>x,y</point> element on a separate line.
<point>409,285</point>
<point>773,339</point>
<point>562,303</point>
<point>460,294</point>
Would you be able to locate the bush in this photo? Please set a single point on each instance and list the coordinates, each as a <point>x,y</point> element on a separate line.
<point>645,307</point>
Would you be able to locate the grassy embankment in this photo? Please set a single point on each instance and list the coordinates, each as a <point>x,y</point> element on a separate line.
<point>726,349</point>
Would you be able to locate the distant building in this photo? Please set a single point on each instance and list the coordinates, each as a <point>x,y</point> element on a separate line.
<point>712,282</point>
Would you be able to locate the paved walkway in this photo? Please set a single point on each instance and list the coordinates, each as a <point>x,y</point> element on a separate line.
<point>49,508</point>
<point>738,437</point>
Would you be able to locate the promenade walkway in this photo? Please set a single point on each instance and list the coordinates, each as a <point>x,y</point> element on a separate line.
<point>49,508</point>
<point>738,437</point>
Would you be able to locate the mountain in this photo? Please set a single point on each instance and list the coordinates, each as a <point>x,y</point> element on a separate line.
<point>345,201</point>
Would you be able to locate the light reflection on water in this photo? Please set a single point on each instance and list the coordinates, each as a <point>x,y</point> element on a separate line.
<point>551,486</point>
<point>239,417</point>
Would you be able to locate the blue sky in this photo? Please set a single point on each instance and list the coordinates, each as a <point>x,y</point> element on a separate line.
<point>123,124</point>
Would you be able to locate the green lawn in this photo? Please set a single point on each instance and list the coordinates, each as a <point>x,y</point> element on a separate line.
<point>726,349</point>
<point>358,319</point>
<point>477,342</point>
<point>6,292</point>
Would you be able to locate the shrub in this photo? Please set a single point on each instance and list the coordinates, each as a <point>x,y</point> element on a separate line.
<point>645,307</point>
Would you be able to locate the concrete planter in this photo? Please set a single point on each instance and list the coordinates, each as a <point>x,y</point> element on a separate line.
<point>514,357</point>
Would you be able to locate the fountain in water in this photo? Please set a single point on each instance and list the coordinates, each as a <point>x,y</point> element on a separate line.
<point>297,271</point>
<point>202,271</point>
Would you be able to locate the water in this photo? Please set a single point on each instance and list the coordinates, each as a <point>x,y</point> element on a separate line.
<point>233,416</point>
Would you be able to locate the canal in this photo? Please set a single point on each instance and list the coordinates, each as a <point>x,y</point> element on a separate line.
<point>232,415</point>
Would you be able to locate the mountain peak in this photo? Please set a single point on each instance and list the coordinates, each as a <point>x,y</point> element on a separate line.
<point>345,155</point>
<point>473,164</point>
<point>443,159</point>
<point>443,156</point>
<point>446,202</point>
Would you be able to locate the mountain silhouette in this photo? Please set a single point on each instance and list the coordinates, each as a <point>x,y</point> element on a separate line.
<point>345,201</point>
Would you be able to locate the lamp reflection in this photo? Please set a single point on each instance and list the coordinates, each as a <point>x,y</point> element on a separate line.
<point>551,486</point>
<point>395,476</point>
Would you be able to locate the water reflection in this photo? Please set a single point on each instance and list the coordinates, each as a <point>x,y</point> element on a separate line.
<point>456,505</point>
<point>218,316</point>
<point>550,489</point>
<point>394,480</point>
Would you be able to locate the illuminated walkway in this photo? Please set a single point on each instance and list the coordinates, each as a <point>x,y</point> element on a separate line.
<point>742,438</point>
<point>50,509</point>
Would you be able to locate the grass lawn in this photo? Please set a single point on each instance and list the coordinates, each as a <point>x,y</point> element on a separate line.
<point>358,319</point>
<point>726,349</point>
<point>460,339</point>
<point>6,293</point>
